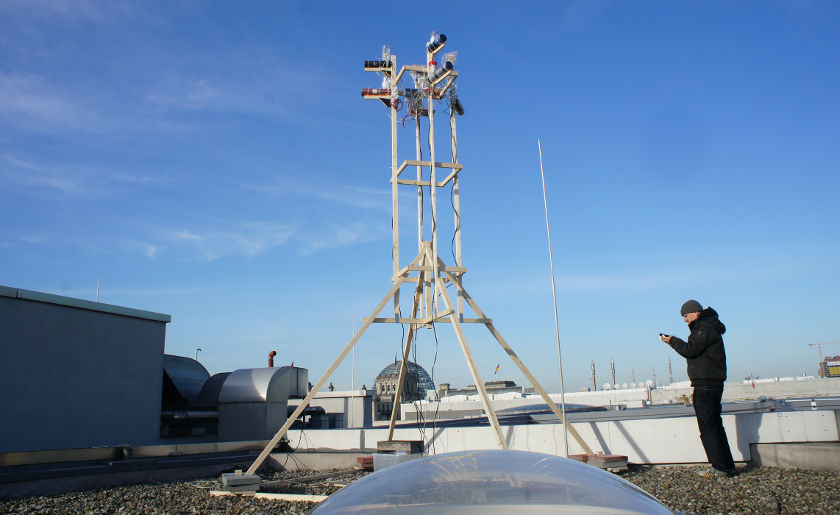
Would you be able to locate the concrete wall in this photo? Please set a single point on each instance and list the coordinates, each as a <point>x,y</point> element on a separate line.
<point>360,411</point>
<point>76,373</point>
<point>659,440</point>
<point>355,405</point>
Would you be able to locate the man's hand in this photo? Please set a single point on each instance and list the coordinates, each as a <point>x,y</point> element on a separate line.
<point>665,338</point>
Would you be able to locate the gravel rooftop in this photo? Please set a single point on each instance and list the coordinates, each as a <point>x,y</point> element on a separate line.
<point>753,490</point>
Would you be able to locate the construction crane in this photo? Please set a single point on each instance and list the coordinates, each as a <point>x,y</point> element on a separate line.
<point>819,348</point>
<point>824,370</point>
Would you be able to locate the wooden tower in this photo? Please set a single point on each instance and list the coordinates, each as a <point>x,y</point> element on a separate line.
<point>431,303</point>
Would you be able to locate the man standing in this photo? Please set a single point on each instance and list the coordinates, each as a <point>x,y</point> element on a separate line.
<point>706,363</point>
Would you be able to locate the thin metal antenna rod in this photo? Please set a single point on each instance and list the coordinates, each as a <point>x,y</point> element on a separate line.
<point>353,366</point>
<point>556,321</point>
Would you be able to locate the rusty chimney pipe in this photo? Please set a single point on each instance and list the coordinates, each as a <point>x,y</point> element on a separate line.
<point>271,358</point>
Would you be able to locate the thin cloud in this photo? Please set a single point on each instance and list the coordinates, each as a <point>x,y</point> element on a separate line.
<point>339,236</point>
<point>348,230</point>
<point>81,181</point>
<point>219,241</point>
<point>581,14</point>
<point>36,103</point>
<point>217,95</point>
<point>626,282</point>
<point>376,199</point>
<point>645,281</point>
<point>255,86</point>
<point>152,292</point>
<point>56,104</point>
<point>36,239</point>
<point>150,251</point>
<point>78,11</point>
<point>246,239</point>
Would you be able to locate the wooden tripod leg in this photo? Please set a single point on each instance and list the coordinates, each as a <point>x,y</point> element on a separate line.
<point>406,352</point>
<point>524,369</point>
<point>315,389</point>
<point>479,383</point>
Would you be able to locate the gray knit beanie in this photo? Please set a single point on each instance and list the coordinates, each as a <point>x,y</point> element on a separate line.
<point>690,306</point>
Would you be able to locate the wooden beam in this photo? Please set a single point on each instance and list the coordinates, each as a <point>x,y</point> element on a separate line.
<point>551,404</point>
<point>401,273</point>
<point>427,164</point>
<point>454,166</point>
<point>441,91</point>
<point>412,182</point>
<point>443,320</point>
<point>315,389</point>
<point>274,496</point>
<point>421,183</point>
<point>403,366</point>
<point>411,68</point>
<point>427,268</point>
<point>449,178</point>
<point>479,383</point>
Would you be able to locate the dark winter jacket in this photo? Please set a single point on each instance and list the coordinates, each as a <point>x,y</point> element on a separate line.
<point>704,353</point>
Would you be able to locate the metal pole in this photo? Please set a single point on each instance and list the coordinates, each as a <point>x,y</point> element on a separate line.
<point>433,199</point>
<point>395,216</point>
<point>419,153</point>
<point>456,204</point>
<point>670,373</point>
<point>556,321</point>
<point>353,366</point>
<point>196,353</point>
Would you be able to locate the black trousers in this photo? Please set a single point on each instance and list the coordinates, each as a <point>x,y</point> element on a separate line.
<point>707,408</point>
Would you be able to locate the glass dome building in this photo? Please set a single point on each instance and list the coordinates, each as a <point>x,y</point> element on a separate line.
<point>417,383</point>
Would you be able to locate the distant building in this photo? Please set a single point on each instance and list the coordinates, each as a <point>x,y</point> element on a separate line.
<point>336,410</point>
<point>830,367</point>
<point>492,387</point>
<point>417,383</point>
<point>77,374</point>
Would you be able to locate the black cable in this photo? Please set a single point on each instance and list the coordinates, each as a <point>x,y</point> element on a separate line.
<point>402,346</point>
<point>457,223</point>
<point>402,325</point>
<point>421,419</point>
<point>297,446</point>
<point>429,144</point>
<point>422,196</point>
<point>452,200</point>
<point>437,397</point>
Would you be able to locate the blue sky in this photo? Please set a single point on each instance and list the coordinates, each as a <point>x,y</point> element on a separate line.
<point>216,162</point>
